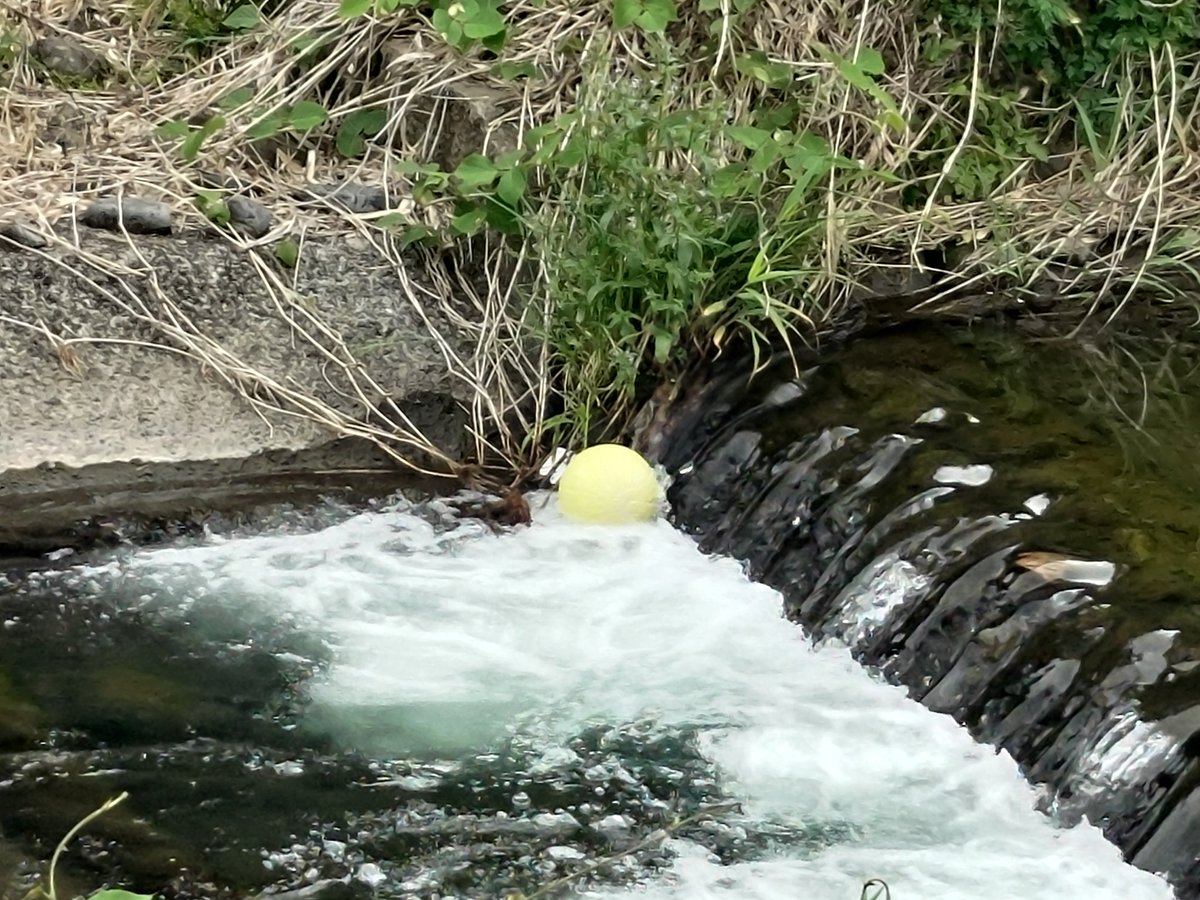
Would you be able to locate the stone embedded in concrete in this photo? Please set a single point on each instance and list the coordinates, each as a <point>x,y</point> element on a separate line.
<point>352,196</point>
<point>248,216</point>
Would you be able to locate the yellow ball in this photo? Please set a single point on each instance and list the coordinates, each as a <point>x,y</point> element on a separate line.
<point>609,484</point>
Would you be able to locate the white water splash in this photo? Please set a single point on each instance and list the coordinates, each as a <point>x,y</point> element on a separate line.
<point>448,640</point>
<point>967,476</point>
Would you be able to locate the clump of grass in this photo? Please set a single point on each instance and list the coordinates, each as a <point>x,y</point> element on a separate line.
<point>685,175</point>
<point>655,242</point>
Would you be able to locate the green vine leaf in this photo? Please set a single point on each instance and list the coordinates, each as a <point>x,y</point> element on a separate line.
<point>758,66</point>
<point>212,205</point>
<point>476,171</point>
<point>265,127</point>
<point>469,222</point>
<point>512,187</point>
<point>870,61</point>
<point>190,148</point>
<point>447,26</point>
<point>625,12</point>
<point>173,130</point>
<point>352,9</point>
<point>306,115</point>
<point>242,18</point>
<point>356,126</point>
<point>237,97</point>
<point>287,252</point>
<point>485,23</point>
<point>748,136</point>
<point>657,15</point>
<point>414,234</point>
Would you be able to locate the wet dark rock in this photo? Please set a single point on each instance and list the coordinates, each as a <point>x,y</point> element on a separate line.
<point>67,56</point>
<point>352,196</point>
<point>131,214</point>
<point>1171,848</point>
<point>248,216</point>
<point>22,235</point>
<point>1063,655</point>
<point>494,825</point>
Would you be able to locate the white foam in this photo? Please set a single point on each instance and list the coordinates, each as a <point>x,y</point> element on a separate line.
<point>455,638</point>
<point>968,476</point>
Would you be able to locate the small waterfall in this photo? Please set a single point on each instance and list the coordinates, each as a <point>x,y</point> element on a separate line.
<point>902,519</point>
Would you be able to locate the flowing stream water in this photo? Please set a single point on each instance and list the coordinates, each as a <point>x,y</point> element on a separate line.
<point>400,703</point>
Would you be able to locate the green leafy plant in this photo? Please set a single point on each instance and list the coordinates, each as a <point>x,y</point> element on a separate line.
<point>300,117</point>
<point>191,137</point>
<point>352,9</point>
<point>651,16</point>
<point>50,891</point>
<point>1004,138</point>
<point>650,261</point>
<point>212,205</point>
<point>356,128</point>
<point>464,22</point>
<point>304,115</point>
<point>287,252</point>
<point>202,23</point>
<point>1064,45</point>
<point>485,193</point>
<point>461,23</point>
<point>242,18</point>
<point>662,229</point>
<point>863,72</point>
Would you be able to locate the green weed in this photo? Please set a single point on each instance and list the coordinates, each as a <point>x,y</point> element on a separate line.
<point>1063,46</point>
<point>201,23</point>
<point>50,892</point>
<point>662,230</point>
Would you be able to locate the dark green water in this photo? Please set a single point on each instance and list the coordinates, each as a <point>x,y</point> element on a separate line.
<point>1110,432</point>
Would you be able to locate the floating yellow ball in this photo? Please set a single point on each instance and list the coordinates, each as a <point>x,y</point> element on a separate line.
<point>609,484</point>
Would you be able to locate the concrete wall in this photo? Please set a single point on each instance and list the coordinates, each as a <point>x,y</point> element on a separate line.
<point>121,402</point>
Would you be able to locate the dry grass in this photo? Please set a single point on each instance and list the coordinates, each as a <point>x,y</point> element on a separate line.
<point>1110,224</point>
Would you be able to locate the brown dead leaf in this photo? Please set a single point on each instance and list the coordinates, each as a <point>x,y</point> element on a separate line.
<point>1036,559</point>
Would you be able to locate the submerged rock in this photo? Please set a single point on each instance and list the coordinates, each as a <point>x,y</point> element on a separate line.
<point>19,719</point>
